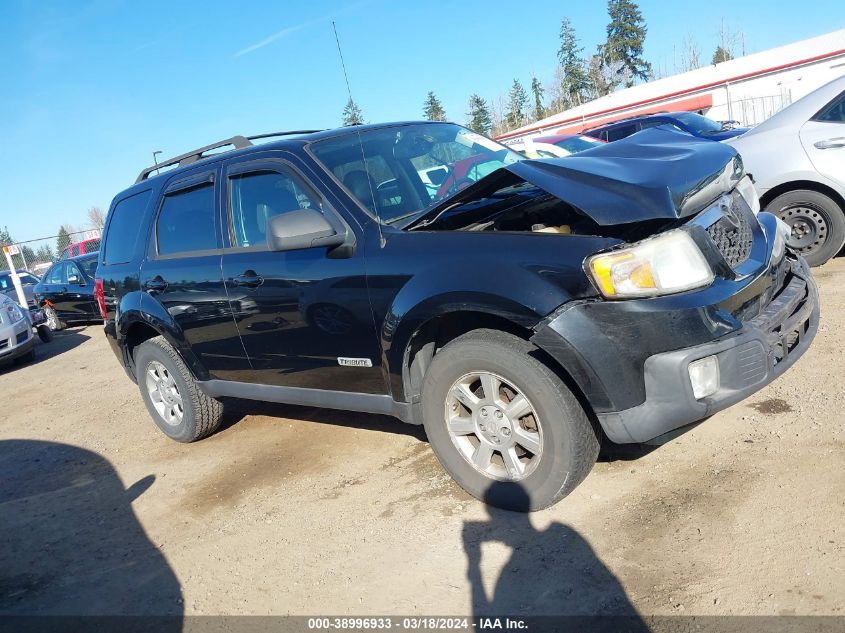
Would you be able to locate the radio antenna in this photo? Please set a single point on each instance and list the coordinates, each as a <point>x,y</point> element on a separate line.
<point>360,142</point>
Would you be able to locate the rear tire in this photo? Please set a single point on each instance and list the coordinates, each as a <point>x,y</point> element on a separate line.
<point>817,223</point>
<point>563,454</point>
<point>177,406</point>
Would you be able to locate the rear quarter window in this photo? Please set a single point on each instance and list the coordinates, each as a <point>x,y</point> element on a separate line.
<point>125,225</point>
<point>186,221</point>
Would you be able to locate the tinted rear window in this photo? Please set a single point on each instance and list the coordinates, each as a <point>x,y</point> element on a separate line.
<point>124,227</point>
<point>186,221</point>
<point>88,266</point>
<point>621,132</point>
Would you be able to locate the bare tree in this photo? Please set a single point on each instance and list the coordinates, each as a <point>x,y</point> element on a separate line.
<point>730,43</point>
<point>690,54</point>
<point>96,217</point>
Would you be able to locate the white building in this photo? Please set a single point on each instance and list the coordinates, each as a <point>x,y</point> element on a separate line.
<point>748,89</point>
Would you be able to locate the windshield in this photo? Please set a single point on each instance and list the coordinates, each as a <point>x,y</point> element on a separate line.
<point>575,144</point>
<point>698,123</point>
<point>6,281</point>
<point>410,168</point>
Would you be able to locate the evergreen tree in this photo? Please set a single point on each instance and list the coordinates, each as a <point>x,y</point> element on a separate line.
<point>623,51</point>
<point>537,91</point>
<point>62,239</point>
<point>44,254</point>
<point>575,82</point>
<point>722,55</point>
<point>433,109</point>
<point>479,115</point>
<point>517,102</point>
<point>352,114</point>
<point>5,238</point>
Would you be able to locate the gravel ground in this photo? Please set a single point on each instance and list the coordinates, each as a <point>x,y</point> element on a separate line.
<point>292,510</point>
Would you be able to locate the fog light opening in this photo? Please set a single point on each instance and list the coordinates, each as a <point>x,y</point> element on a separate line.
<point>704,377</point>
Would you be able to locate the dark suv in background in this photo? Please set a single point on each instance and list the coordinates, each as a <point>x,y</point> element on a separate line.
<point>520,310</point>
<point>689,122</point>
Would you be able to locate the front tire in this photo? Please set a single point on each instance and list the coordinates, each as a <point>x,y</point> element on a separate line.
<point>177,406</point>
<point>503,425</point>
<point>45,333</point>
<point>817,223</point>
<point>53,320</point>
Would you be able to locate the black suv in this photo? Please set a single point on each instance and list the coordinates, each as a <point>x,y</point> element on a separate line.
<point>519,309</point>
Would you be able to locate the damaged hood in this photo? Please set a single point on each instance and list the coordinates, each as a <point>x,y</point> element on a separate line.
<point>655,174</point>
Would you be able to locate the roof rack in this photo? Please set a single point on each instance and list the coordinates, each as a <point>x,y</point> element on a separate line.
<point>237,142</point>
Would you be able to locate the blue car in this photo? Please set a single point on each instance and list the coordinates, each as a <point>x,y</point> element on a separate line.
<point>688,122</point>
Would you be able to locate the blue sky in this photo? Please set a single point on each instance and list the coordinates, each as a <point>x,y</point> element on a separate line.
<point>90,89</point>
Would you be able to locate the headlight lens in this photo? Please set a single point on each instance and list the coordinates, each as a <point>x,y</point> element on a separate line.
<point>14,313</point>
<point>668,263</point>
<point>746,189</point>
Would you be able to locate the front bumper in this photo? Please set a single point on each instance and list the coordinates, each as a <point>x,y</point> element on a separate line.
<point>749,359</point>
<point>630,358</point>
<point>16,340</point>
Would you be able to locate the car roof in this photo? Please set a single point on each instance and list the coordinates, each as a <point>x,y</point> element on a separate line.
<point>285,142</point>
<point>633,119</point>
<point>92,255</point>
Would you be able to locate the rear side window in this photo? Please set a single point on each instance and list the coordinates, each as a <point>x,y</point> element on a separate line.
<point>124,227</point>
<point>256,197</point>
<point>833,112</point>
<point>56,275</point>
<point>620,132</point>
<point>89,266</point>
<point>186,221</point>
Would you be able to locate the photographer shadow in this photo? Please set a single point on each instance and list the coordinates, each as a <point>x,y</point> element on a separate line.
<point>72,545</point>
<point>551,572</point>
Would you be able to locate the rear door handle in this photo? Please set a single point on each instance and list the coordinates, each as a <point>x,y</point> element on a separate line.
<point>156,283</point>
<point>249,279</point>
<point>831,143</point>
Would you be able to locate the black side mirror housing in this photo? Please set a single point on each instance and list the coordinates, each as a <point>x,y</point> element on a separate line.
<point>302,228</point>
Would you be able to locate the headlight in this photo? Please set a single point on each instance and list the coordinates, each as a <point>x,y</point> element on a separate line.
<point>746,189</point>
<point>14,312</point>
<point>665,264</point>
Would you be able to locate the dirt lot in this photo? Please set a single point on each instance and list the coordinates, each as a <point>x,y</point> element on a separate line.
<point>294,510</point>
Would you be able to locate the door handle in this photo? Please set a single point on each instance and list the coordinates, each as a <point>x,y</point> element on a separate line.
<point>831,143</point>
<point>63,289</point>
<point>248,279</point>
<point>156,284</point>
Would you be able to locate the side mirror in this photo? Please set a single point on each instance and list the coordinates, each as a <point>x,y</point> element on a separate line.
<point>303,228</point>
<point>73,279</point>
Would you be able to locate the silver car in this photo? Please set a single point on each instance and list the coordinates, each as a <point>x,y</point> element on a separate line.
<point>797,159</point>
<point>16,338</point>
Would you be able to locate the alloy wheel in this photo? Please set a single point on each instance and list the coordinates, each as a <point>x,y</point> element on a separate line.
<point>164,393</point>
<point>494,426</point>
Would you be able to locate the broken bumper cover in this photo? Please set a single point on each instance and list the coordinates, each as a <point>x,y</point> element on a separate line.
<point>630,359</point>
<point>749,359</point>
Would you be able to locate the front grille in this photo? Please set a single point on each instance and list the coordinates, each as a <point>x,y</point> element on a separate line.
<point>732,233</point>
<point>4,343</point>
